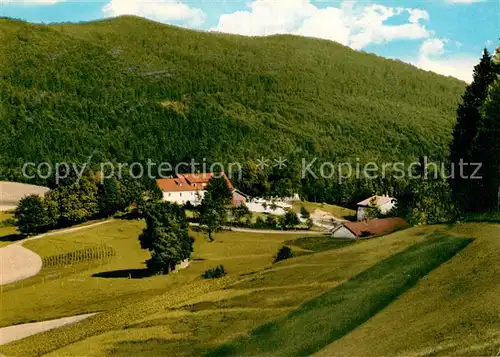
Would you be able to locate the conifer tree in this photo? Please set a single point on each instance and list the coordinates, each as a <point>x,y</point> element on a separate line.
<point>466,129</point>
<point>487,146</point>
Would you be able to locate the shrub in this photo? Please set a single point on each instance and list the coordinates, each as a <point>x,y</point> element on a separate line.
<point>289,220</point>
<point>259,222</point>
<point>214,273</point>
<point>304,212</point>
<point>9,222</point>
<point>240,212</point>
<point>271,221</point>
<point>248,221</point>
<point>284,253</point>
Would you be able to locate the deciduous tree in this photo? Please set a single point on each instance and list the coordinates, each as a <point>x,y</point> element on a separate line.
<point>165,236</point>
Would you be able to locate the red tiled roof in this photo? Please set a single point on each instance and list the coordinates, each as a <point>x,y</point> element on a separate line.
<point>378,201</point>
<point>176,184</point>
<point>376,227</point>
<point>188,182</point>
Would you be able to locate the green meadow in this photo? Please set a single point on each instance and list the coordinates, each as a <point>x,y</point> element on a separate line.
<point>422,291</point>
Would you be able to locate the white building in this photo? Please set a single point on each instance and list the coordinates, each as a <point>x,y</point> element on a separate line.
<point>384,203</point>
<point>192,187</point>
<point>341,231</point>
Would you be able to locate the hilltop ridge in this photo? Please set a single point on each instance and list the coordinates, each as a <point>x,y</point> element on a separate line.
<point>133,89</point>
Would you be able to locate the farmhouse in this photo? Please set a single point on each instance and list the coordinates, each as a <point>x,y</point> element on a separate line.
<point>371,228</point>
<point>191,188</point>
<point>383,203</point>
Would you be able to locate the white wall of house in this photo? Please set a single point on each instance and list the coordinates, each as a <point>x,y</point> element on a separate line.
<point>343,232</point>
<point>361,214</point>
<point>182,197</point>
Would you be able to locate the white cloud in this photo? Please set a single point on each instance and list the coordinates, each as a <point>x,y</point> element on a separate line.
<point>432,46</point>
<point>433,57</point>
<point>30,2</point>
<point>160,10</point>
<point>416,15</point>
<point>349,24</point>
<point>353,25</point>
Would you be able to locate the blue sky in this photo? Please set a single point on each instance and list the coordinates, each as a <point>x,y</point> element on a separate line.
<point>445,36</point>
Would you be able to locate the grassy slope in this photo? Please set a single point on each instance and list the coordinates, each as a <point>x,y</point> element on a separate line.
<point>199,315</point>
<point>6,233</point>
<point>54,287</point>
<point>335,313</point>
<point>188,316</point>
<point>455,310</point>
<point>334,210</point>
<point>264,96</point>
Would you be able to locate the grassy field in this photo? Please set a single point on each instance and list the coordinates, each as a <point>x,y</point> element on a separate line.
<point>318,244</point>
<point>455,310</point>
<point>101,285</point>
<point>340,310</point>
<point>346,293</point>
<point>7,234</point>
<point>336,211</point>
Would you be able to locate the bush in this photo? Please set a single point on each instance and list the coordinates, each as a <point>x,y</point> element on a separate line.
<point>284,253</point>
<point>214,273</point>
<point>304,212</point>
<point>289,220</point>
<point>271,221</point>
<point>188,205</point>
<point>9,222</point>
<point>259,222</point>
<point>240,212</point>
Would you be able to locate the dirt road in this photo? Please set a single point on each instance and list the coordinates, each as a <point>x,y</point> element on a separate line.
<point>17,332</point>
<point>18,263</point>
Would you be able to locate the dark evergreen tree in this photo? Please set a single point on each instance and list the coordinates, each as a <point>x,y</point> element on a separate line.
<point>466,129</point>
<point>487,147</point>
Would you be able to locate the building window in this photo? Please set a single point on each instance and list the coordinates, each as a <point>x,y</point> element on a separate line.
<point>180,194</point>
<point>169,194</point>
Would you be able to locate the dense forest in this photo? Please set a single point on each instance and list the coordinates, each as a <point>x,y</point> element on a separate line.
<point>128,89</point>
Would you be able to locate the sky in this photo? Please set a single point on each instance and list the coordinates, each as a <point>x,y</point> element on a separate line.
<point>444,36</point>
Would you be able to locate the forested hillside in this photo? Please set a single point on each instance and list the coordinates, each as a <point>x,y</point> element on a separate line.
<point>130,89</point>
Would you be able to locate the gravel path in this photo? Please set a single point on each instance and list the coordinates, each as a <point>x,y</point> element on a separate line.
<point>18,263</point>
<point>17,332</point>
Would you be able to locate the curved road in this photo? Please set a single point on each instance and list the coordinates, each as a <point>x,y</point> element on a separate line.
<point>18,263</point>
<point>18,332</point>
